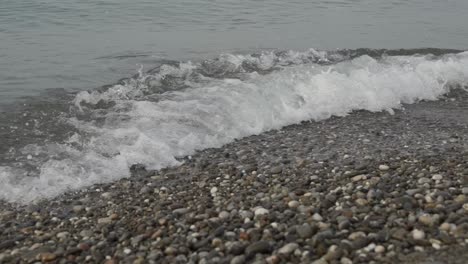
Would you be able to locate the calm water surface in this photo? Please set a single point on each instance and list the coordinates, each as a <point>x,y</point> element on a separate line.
<point>83,44</point>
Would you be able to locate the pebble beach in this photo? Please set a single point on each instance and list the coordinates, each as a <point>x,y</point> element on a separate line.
<point>366,188</point>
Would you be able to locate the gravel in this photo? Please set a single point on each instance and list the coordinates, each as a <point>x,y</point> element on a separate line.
<point>366,188</point>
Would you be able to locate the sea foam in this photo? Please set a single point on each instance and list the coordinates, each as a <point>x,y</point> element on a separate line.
<point>145,120</point>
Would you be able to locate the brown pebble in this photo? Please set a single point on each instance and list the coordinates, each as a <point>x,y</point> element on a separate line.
<point>47,257</point>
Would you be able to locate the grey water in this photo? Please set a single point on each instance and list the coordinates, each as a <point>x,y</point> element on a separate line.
<point>84,44</point>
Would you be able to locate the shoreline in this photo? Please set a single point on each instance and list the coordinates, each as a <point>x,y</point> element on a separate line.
<point>356,189</point>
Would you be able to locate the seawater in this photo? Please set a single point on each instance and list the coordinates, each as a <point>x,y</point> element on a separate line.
<point>82,44</point>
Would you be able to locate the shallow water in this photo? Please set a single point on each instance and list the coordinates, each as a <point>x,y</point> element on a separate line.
<point>82,44</point>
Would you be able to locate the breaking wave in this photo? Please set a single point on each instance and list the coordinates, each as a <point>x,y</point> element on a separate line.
<point>180,107</point>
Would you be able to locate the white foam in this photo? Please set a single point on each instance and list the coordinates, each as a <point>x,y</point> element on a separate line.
<point>217,111</point>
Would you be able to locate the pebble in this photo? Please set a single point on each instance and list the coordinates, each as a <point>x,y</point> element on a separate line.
<point>62,235</point>
<point>262,247</point>
<point>288,248</point>
<point>418,234</point>
<point>445,226</point>
<point>358,178</point>
<point>238,260</point>
<point>345,260</point>
<point>261,211</point>
<point>426,219</point>
<point>437,177</point>
<point>180,211</point>
<point>78,208</point>
<point>465,190</point>
<point>104,220</point>
<point>106,195</point>
<point>384,167</point>
<point>293,204</point>
<point>317,217</point>
<point>320,261</point>
<point>223,215</point>
<point>361,202</point>
<point>304,231</point>
<point>356,235</point>
<point>276,170</point>
<point>379,249</point>
<point>47,257</point>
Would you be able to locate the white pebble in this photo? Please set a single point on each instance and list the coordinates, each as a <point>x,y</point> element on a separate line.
<point>418,234</point>
<point>437,177</point>
<point>213,190</point>
<point>288,248</point>
<point>223,215</point>
<point>317,217</point>
<point>384,167</point>
<point>345,260</point>
<point>293,204</point>
<point>261,211</point>
<point>379,249</point>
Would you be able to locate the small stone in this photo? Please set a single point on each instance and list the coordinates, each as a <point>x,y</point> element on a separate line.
<point>47,257</point>
<point>436,246</point>
<point>170,251</point>
<point>426,219</point>
<point>445,227</point>
<point>180,211</point>
<point>261,211</point>
<point>424,180</point>
<point>384,167</point>
<point>361,202</point>
<point>465,190</point>
<point>317,217</point>
<point>223,215</point>
<point>345,260</point>
<point>86,233</point>
<point>304,231</point>
<point>293,204</point>
<point>104,220</point>
<point>127,251</point>
<point>437,177</point>
<point>238,260</point>
<point>465,207</point>
<point>216,242</point>
<point>273,259</point>
<point>379,249</point>
<point>358,178</point>
<point>262,247</point>
<point>356,235</point>
<point>288,248</point>
<point>106,195</point>
<point>62,235</point>
<point>83,246</point>
<point>213,191</point>
<point>78,208</point>
<point>460,198</point>
<point>114,216</point>
<point>320,261</point>
<point>245,214</point>
<point>418,234</point>
<point>276,170</point>
<point>412,192</point>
